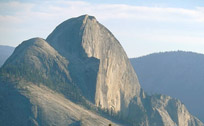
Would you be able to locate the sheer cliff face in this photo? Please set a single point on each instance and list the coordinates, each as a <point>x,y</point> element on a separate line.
<point>80,62</point>
<point>36,89</point>
<point>116,82</point>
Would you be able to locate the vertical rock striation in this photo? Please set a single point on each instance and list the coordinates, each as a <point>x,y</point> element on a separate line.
<point>80,62</point>
<point>116,82</point>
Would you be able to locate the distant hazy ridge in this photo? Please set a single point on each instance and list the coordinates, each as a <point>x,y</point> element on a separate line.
<point>178,74</point>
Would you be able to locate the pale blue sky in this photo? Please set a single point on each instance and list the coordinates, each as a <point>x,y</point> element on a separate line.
<point>141,26</point>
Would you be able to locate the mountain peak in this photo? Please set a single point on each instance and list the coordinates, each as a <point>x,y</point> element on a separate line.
<point>85,39</point>
<point>86,16</point>
<point>81,61</point>
<point>67,37</point>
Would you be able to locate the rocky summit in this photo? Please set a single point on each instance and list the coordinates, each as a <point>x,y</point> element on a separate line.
<point>80,75</point>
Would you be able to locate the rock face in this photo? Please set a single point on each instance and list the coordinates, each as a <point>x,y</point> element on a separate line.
<point>35,88</point>
<point>178,74</point>
<point>36,61</point>
<point>32,105</point>
<point>116,82</point>
<point>80,64</point>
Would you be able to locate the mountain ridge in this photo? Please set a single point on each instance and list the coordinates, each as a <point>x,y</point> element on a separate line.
<point>184,71</point>
<point>72,61</point>
<point>101,43</point>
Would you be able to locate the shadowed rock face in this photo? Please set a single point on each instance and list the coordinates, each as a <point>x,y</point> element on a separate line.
<point>32,105</point>
<point>36,89</point>
<point>83,39</point>
<point>80,62</point>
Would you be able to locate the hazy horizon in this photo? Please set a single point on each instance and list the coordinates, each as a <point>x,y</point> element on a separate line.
<point>141,27</point>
